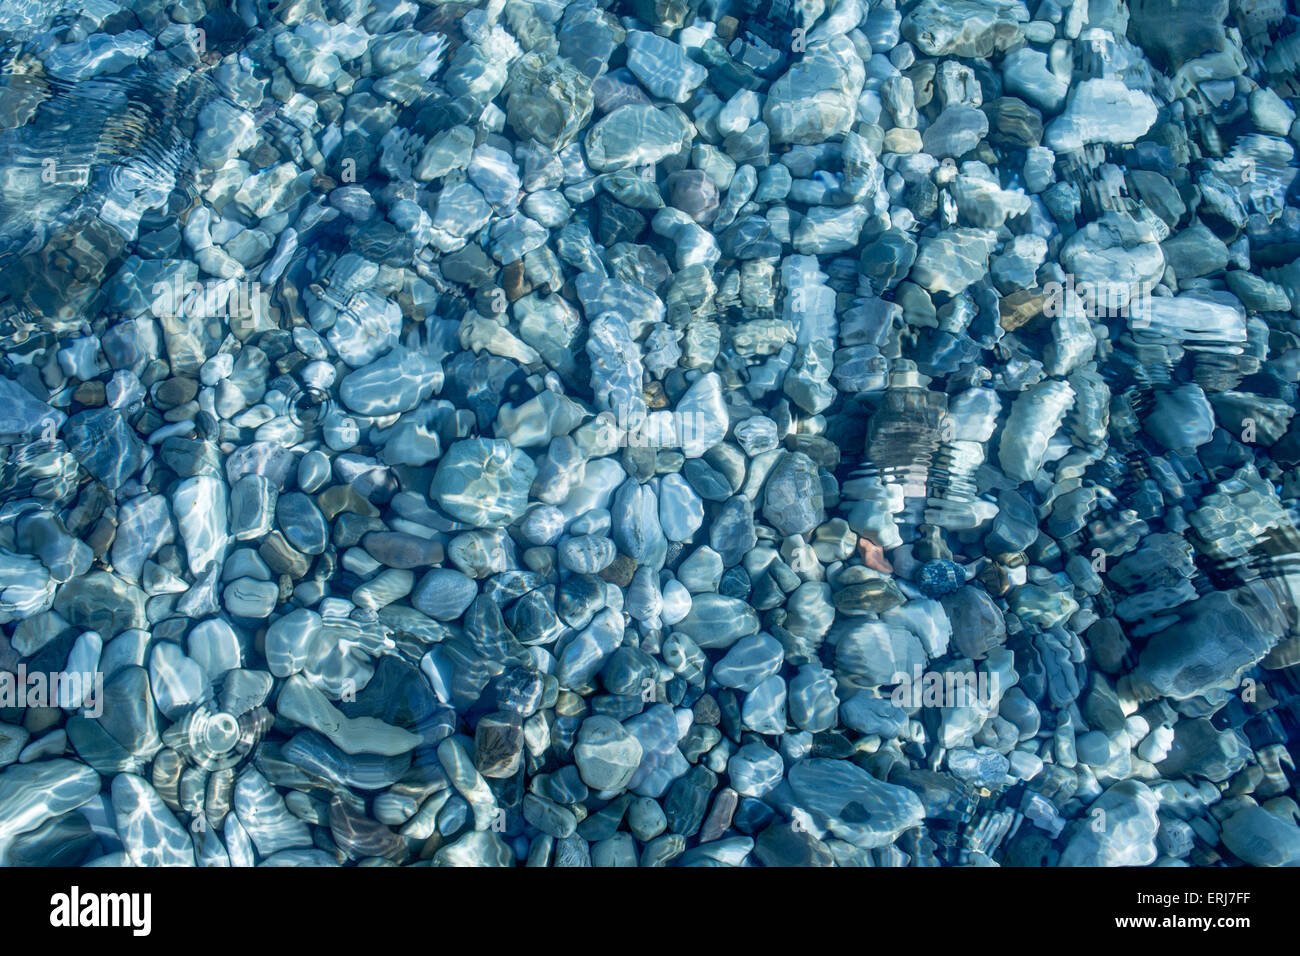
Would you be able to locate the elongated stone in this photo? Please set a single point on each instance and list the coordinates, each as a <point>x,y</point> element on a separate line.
<point>150,833</point>
<point>305,704</point>
<point>264,816</point>
<point>199,504</point>
<point>32,794</point>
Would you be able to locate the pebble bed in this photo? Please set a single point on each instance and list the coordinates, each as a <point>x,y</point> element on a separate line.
<point>649,432</point>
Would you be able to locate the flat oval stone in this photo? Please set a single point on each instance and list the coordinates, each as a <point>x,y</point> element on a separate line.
<point>483,482</point>
<point>582,656</point>
<point>215,647</point>
<point>701,570</point>
<point>396,549</point>
<point>252,507</point>
<point>749,662</point>
<point>733,533</point>
<point>636,529</point>
<point>301,702</point>
<point>813,704</point>
<point>363,771</point>
<point>681,511</point>
<point>606,754</point>
<point>852,804</point>
<point>872,715</point>
<point>265,818</point>
<point>587,554</point>
<point>718,622</point>
<point>755,769</point>
<point>633,135</point>
<point>248,597</point>
<point>444,594</point>
<point>302,523</point>
<point>764,710</point>
<point>397,382</point>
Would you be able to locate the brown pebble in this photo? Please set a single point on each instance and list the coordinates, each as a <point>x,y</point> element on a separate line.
<point>89,394</point>
<point>620,572</point>
<point>281,557</point>
<point>397,549</point>
<point>1019,308</point>
<point>172,392</point>
<point>706,711</point>
<point>101,536</point>
<point>334,501</point>
<point>873,556</point>
<point>514,281</point>
<point>995,580</point>
<point>37,720</point>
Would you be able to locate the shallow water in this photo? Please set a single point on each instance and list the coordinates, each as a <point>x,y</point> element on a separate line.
<point>501,433</point>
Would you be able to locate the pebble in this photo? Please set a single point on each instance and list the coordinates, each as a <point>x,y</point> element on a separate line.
<point>607,756</point>
<point>306,705</point>
<point>150,833</point>
<point>565,465</point>
<point>483,482</point>
<point>849,803</point>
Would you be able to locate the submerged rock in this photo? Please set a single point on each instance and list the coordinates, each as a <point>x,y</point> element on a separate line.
<point>649,433</point>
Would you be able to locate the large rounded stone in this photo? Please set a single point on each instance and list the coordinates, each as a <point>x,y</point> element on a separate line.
<point>607,755</point>
<point>483,482</point>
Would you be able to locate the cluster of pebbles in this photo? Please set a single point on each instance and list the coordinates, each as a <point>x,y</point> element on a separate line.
<point>579,433</point>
